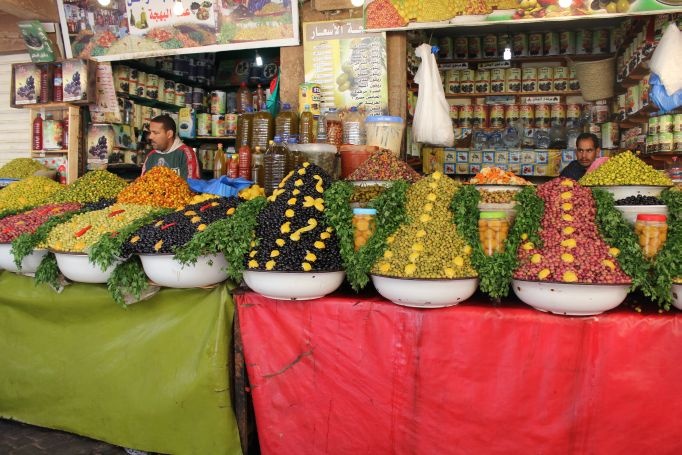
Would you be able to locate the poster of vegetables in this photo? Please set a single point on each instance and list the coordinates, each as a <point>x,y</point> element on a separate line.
<point>127,29</point>
<point>348,63</point>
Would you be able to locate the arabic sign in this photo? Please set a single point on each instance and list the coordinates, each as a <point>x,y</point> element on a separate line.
<point>399,14</point>
<point>37,42</point>
<point>128,29</point>
<point>349,65</point>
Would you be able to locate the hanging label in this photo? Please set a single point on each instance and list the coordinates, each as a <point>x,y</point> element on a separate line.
<point>453,66</point>
<point>494,65</point>
<point>541,100</point>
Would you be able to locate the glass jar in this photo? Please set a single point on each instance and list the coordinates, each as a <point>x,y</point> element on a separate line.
<point>652,231</point>
<point>493,228</point>
<point>363,226</point>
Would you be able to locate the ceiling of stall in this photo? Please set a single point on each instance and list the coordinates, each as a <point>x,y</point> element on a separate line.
<point>12,11</point>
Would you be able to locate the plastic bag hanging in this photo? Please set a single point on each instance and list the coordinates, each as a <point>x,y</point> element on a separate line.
<point>432,124</point>
<point>666,60</point>
<point>659,95</point>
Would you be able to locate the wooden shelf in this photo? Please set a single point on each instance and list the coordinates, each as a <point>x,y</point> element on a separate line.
<point>164,74</point>
<point>50,152</point>
<point>149,102</point>
<point>530,58</point>
<point>480,95</point>
<point>49,106</point>
<point>637,74</point>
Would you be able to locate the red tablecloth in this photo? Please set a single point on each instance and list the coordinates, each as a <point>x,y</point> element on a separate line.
<point>360,375</point>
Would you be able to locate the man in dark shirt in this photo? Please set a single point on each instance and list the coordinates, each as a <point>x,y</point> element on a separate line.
<point>586,151</point>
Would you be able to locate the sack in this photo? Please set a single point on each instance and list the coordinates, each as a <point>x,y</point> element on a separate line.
<point>432,124</point>
<point>222,186</point>
<point>659,95</point>
<point>666,61</point>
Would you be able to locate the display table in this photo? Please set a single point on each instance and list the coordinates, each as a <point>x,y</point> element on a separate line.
<point>349,374</point>
<point>152,377</point>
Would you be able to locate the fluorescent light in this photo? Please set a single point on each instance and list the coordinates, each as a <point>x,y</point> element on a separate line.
<point>357,3</point>
<point>259,60</point>
<point>178,8</point>
<point>565,3</point>
<point>104,2</point>
<point>507,53</point>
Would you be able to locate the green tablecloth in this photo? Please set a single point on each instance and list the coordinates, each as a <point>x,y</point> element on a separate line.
<point>152,377</point>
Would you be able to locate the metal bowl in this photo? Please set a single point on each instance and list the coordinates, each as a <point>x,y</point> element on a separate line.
<point>77,267</point>
<point>164,270</point>
<point>425,293</point>
<point>623,191</point>
<point>677,296</point>
<point>630,212</point>
<point>570,299</point>
<point>29,264</point>
<point>293,285</point>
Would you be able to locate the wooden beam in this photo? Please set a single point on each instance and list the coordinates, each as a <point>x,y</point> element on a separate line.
<point>43,10</point>
<point>11,41</point>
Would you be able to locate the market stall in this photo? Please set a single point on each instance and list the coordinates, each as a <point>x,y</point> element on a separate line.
<point>154,377</point>
<point>357,374</point>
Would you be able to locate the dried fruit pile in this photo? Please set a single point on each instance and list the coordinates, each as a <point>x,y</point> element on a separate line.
<point>384,165</point>
<point>382,14</point>
<point>292,234</point>
<point>178,228</point>
<point>496,176</point>
<point>20,168</point>
<point>85,229</point>
<point>28,192</point>
<point>27,222</point>
<point>625,169</point>
<point>429,246</point>
<point>160,187</point>
<point>92,187</point>
<point>573,250</point>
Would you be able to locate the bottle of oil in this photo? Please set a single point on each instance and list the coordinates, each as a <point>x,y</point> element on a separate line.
<point>244,98</point>
<point>262,129</point>
<point>258,168</point>
<point>286,123</point>
<point>244,127</point>
<point>295,157</point>
<point>306,131</point>
<point>275,164</point>
<point>219,162</point>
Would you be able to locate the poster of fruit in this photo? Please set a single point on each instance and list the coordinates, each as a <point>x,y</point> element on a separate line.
<point>348,63</point>
<point>126,29</point>
<point>398,14</point>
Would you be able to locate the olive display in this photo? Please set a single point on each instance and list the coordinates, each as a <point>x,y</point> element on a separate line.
<point>177,228</point>
<point>292,234</point>
<point>29,192</point>
<point>625,169</point>
<point>640,200</point>
<point>20,168</point>
<point>364,194</point>
<point>99,205</point>
<point>428,246</point>
<point>496,197</point>
<point>92,187</point>
<point>27,222</point>
<point>160,187</point>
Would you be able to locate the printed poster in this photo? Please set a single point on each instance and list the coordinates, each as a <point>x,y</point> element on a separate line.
<point>349,65</point>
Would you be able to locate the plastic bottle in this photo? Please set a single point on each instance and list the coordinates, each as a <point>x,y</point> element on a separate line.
<point>261,131</point>
<point>219,162</point>
<point>295,157</point>
<point>354,127</point>
<point>321,134</point>
<point>244,98</point>
<point>244,157</point>
<point>334,127</point>
<point>258,168</point>
<point>38,133</point>
<point>58,92</point>
<point>244,127</point>
<point>233,166</point>
<point>259,98</point>
<point>275,164</point>
<point>44,84</point>
<point>306,134</point>
<point>286,123</point>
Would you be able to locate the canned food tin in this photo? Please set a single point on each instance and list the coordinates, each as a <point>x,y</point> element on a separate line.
<point>461,47</point>
<point>652,143</point>
<point>551,43</point>
<point>454,114</point>
<point>497,80</point>
<point>513,80</point>
<point>665,124</point>
<point>132,81</point>
<point>601,41</point>
<point>153,86</point>
<point>168,91</point>
<point>653,125</point>
<point>452,85</point>
<point>218,125</point>
<point>542,116</point>
<point>677,123</point>
<point>141,84</point>
<point>573,113</point>
<point>527,114</point>
<point>146,114</point>
<point>677,141</point>
<point>483,81</point>
<point>180,92</point>
<point>121,78</point>
<point>474,47</point>
<point>218,102</point>
<point>480,116</point>
<point>529,78</point>
<point>466,81</point>
<point>231,124</point>
<point>583,42</point>
<point>197,96</point>
<point>160,88</point>
<point>466,114</point>
<point>558,114</point>
<point>566,42</point>
<point>520,45</point>
<point>512,113</point>
<point>573,83</point>
<point>445,47</point>
<point>203,124</point>
<point>560,82</point>
<point>497,116</point>
<point>535,45</point>
<point>545,78</point>
<point>665,142</point>
<point>138,117</point>
<point>490,45</point>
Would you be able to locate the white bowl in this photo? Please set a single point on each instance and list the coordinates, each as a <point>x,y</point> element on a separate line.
<point>164,270</point>
<point>571,299</point>
<point>496,187</point>
<point>29,264</point>
<point>623,191</point>
<point>677,296</point>
<point>77,267</point>
<point>630,212</point>
<point>293,285</point>
<point>425,293</point>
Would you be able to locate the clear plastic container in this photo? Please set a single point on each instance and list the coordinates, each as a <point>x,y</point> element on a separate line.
<point>244,98</point>
<point>364,225</point>
<point>323,155</point>
<point>306,132</point>
<point>334,127</point>
<point>286,123</point>
<point>275,164</point>
<point>493,228</point>
<point>385,132</point>
<point>321,133</point>
<point>652,231</point>
<point>262,129</point>
<point>295,157</point>
<point>354,127</point>
<point>244,127</point>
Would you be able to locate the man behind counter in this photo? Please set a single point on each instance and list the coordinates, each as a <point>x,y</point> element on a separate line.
<point>169,150</point>
<point>586,151</point>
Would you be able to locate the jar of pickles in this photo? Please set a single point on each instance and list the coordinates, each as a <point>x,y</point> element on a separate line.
<point>652,231</point>
<point>363,226</point>
<point>493,228</point>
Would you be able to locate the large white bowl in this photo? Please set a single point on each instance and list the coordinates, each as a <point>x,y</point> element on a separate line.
<point>498,187</point>
<point>630,212</point>
<point>623,191</point>
<point>164,270</point>
<point>77,267</point>
<point>293,285</point>
<point>571,299</point>
<point>425,293</point>
<point>677,296</point>
<point>29,264</point>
